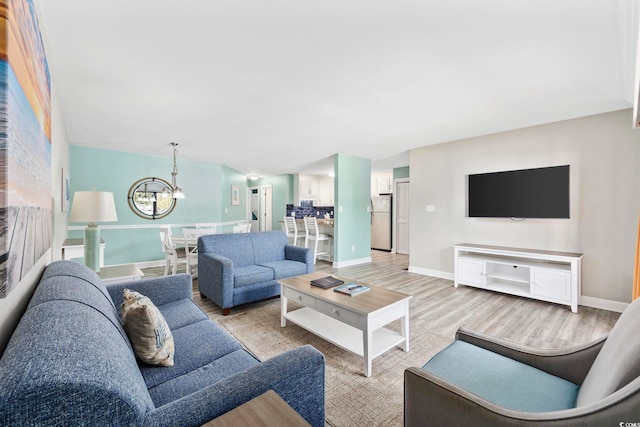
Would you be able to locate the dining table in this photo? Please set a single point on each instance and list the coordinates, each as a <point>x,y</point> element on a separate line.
<point>180,239</point>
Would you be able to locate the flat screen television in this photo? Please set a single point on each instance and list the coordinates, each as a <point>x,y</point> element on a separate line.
<point>526,193</point>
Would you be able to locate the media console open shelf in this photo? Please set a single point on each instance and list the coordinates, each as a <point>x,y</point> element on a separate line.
<point>543,275</point>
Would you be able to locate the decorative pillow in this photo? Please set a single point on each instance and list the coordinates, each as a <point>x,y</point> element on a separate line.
<point>147,330</point>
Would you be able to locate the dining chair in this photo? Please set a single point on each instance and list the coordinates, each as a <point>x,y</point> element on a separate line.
<point>208,225</point>
<point>291,228</point>
<point>191,247</point>
<point>173,255</point>
<point>244,227</point>
<point>312,232</point>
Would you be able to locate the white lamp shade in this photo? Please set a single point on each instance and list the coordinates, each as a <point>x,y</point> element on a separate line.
<point>92,207</point>
<point>178,193</point>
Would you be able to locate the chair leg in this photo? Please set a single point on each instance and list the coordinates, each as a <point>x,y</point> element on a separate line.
<point>174,267</point>
<point>315,253</point>
<point>226,311</point>
<point>166,267</point>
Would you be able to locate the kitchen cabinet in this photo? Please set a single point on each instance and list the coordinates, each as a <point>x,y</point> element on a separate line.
<point>316,188</point>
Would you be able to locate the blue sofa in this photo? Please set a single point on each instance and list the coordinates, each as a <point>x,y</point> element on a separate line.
<point>235,269</point>
<point>70,362</point>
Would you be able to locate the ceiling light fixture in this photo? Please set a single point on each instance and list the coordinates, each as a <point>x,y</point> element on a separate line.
<point>176,191</point>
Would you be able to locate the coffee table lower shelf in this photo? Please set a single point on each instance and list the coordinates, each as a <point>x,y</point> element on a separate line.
<point>342,334</point>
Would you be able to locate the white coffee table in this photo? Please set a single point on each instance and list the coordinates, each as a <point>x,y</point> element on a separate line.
<point>354,323</point>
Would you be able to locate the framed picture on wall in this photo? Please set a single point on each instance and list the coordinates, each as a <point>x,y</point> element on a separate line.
<point>235,195</point>
<point>66,191</point>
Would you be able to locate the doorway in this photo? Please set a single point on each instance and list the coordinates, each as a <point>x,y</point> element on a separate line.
<point>254,207</point>
<point>265,208</point>
<point>401,213</point>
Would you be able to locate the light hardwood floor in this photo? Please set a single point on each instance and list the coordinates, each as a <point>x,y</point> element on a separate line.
<point>441,308</point>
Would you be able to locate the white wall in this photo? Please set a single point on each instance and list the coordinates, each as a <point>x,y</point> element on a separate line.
<point>604,154</point>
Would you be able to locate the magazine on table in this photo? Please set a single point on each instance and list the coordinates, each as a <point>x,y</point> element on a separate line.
<point>326,282</point>
<point>351,289</point>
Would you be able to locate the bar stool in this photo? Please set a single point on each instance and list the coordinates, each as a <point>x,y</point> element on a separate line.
<point>291,228</point>
<point>313,233</point>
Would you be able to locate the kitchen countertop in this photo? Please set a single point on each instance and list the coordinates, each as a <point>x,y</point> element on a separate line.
<point>324,225</point>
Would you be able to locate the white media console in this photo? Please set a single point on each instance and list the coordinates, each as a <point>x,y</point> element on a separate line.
<point>543,275</point>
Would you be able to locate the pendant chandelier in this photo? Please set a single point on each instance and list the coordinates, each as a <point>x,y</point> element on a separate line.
<point>176,192</point>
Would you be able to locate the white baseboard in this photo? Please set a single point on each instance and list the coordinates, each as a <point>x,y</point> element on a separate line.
<point>432,273</point>
<point>143,264</point>
<point>352,262</point>
<point>603,304</point>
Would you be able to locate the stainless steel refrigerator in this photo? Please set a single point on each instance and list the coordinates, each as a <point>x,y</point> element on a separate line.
<point>381,222</point>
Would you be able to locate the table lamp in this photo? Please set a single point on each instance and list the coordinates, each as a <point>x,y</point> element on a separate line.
<point>92,207</point>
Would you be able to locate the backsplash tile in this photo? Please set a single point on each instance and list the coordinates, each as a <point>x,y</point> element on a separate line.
<point>307,209</point>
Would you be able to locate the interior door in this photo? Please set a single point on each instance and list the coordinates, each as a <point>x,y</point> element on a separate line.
<point>402,217</point>
<point>265,209</point>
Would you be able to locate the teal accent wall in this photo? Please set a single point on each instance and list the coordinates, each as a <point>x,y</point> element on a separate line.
<point>207,187</point>
<point>232,212</point>
<point>352,200</point>
<point>401,172</point>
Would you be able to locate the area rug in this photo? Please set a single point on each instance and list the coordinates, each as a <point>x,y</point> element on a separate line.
<point>351,399</point>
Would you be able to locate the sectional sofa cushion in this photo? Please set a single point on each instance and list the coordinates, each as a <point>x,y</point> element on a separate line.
<point>250,274</point>
<point>147,330</point>
<point>285,268</point>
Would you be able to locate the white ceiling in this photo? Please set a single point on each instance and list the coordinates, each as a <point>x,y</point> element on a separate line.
<point>279,86</point>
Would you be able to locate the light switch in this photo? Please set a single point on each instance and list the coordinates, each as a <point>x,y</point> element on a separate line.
<point>431,208</point>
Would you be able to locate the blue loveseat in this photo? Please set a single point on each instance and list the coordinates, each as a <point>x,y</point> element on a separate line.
<point>235,269</point>
<point>70,362</point>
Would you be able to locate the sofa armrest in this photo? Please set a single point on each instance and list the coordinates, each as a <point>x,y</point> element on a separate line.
<point>215,278</point>
<point>572,364</point>
<point>297,376</point>
<point>300,254</point>
<point>160,290</point>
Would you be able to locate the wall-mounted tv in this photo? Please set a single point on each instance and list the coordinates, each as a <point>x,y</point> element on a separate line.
<point>526,193</point>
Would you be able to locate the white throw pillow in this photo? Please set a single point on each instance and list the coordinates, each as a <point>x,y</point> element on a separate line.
<point>147,329</point>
